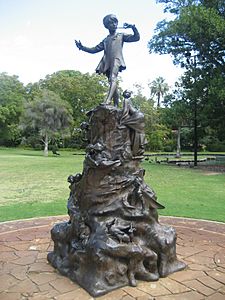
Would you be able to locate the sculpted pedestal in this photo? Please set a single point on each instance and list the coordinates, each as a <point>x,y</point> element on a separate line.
<point>113,236</point>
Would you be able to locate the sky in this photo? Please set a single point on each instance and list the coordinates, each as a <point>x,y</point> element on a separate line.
<point>37,38</point>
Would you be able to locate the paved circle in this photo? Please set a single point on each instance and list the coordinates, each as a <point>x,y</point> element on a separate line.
<point>25,273</point>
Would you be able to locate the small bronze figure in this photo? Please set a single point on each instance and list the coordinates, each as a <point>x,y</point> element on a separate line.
<point>112,61</point>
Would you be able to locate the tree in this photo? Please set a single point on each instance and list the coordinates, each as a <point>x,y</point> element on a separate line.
<point>81,91</point>
<point>195,39</point>
<point>176,115</point>
<point>49,115</point>
<point>12,95</point>
<point>156,132</point>
<point>176,6</point>
<point>158,88</point>
<point>197,29</point>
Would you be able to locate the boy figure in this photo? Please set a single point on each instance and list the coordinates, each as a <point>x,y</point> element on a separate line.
<point>112,62</point>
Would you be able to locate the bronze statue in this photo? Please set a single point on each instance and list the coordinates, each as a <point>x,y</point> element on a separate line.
<point>113,236</point>
<point>112,61</point>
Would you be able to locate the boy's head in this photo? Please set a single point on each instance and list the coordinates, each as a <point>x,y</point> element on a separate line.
<point>109,20</point>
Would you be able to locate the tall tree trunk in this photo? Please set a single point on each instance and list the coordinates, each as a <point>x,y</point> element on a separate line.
<point>158,100</point>
<point>178,154</point>
<point>46,145</point>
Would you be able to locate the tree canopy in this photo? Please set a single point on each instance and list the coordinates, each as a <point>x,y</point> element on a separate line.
<point>81,91</point>
<point>158,88</point>
<point>49,115</point>
<point>195,39</point>
<point>199,26</point>
<point>12,96</point>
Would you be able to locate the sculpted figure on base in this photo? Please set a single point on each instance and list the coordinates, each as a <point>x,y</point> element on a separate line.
<point>112,61</point>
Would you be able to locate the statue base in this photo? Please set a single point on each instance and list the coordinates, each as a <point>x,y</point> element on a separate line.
<point>113,237</point>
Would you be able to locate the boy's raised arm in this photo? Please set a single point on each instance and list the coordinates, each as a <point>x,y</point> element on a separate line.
<point>131,37</point>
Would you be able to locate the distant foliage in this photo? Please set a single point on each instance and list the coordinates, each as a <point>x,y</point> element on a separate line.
<point>12,97</point>
<point>48,115</point>
<point>81,91</point>
<point>159,88</point>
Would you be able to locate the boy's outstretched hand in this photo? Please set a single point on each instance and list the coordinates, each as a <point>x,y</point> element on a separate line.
<point>79,45</point>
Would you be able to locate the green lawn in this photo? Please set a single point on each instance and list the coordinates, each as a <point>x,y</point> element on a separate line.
<point>188,192</point>
<point>32,185</point>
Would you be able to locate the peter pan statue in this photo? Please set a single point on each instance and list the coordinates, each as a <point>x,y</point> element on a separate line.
<point>112,61</point>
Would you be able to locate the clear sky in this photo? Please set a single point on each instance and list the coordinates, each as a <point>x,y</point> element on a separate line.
<point>37,38</point>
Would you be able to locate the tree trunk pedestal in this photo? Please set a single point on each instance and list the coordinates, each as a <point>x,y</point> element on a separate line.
<point>113,236</point>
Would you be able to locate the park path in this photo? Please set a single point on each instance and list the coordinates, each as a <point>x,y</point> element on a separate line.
<point>25,273</point>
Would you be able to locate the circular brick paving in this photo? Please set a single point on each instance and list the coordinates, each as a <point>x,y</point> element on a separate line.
<point>26,274</point>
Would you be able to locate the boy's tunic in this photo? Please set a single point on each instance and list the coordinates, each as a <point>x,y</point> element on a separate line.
<point>112,46</point>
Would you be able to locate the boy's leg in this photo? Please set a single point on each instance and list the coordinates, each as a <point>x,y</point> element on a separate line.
<point>113,92</point>
<point>116,97</point>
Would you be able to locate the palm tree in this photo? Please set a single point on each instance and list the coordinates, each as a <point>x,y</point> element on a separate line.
<point>158,88</point>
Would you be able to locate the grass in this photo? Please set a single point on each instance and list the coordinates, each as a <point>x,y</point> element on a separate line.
<point>188,192</point>
<point>32,185</point>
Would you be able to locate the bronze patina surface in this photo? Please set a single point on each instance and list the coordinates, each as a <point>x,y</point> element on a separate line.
<point>113,236</point>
